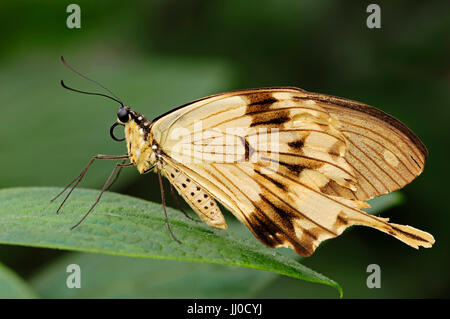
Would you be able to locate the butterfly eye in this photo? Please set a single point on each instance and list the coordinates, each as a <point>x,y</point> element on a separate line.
<point>122,115</point>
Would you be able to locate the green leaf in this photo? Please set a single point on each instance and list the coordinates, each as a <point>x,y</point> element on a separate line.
<point>122,225</point>
<point>104,276</point>
<point>12,286</point>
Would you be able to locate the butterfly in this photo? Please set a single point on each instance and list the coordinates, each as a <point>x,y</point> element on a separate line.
<point>295,167</point>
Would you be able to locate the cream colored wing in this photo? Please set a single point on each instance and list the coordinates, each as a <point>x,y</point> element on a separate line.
<point>279,161</point>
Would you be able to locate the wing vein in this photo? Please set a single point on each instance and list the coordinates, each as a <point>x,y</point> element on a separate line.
<point>376,164</point>
<point>375,141</point>
<point>355,157</point>
<point>385,138</point>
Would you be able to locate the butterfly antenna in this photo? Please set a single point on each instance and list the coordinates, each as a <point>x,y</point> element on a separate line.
<point>90,93</point>
<point>115,97</point>
<point>163,199</point>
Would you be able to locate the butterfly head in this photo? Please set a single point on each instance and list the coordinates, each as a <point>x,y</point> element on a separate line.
<point>138,138</point>
<point>140,146</point>
<point>132,121</point>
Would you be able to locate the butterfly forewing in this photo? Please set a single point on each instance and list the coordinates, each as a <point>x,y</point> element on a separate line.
<point>294,167</point>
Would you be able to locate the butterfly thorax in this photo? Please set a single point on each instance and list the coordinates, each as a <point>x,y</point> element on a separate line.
<point>139,142</point>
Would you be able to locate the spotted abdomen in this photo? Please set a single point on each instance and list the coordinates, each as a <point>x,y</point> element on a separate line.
<point>203,204</point>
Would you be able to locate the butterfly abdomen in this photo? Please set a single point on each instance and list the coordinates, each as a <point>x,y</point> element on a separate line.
<point>201,202</point>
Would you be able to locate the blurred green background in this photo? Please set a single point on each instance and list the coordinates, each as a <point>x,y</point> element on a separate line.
<point>157,55</point>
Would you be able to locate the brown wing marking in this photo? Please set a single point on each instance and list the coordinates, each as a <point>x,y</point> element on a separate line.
<point>297,230</point>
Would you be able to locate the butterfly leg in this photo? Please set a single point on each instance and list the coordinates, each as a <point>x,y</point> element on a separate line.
<point>107,185</point>
<point>78,179</point>
<point>163,199</point>
<point>122,165</point>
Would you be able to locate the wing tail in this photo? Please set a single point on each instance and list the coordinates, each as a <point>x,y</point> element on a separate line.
<point>409,235</point>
